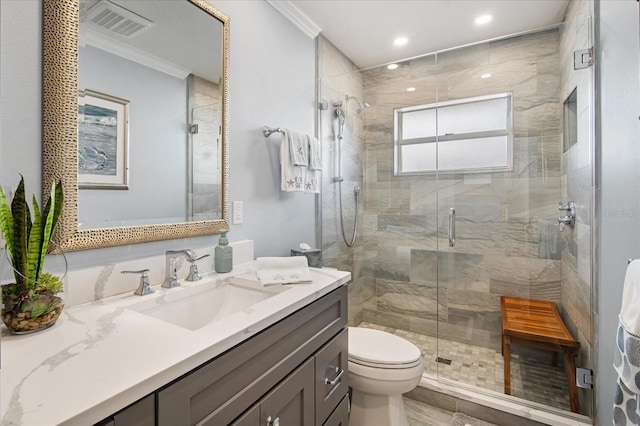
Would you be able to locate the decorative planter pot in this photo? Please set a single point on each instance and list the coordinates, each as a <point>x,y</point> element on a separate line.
<point>22,323</point>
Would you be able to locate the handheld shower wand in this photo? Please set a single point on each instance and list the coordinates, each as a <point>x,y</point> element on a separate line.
<point>340,111</point>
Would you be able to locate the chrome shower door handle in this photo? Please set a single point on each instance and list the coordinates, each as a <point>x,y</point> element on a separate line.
<point>452,227</point>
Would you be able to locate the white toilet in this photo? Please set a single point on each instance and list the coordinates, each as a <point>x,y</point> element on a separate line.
<point>381,368</point>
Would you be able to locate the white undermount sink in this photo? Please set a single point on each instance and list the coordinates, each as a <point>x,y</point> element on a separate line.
<point>200,305</point>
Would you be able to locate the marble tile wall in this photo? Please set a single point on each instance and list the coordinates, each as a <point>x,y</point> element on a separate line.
<point>506,239</point>
<point>338,78</point>
<point>207,113</point>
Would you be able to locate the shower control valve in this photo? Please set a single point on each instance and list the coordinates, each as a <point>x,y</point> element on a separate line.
<point>570,207</point>
<point>570,218</point>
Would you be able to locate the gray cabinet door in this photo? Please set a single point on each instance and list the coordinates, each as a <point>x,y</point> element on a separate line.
<point>141,413</point>
<point>291,402</point>
<point>332,373</point>
<point>250,418</point>
<point>340,417</point>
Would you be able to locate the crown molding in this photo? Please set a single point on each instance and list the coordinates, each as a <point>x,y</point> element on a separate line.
<point>101,41</point>
<point>295,15</point>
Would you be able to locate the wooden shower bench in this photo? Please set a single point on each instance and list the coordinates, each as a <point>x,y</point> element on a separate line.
<point>538,324</point>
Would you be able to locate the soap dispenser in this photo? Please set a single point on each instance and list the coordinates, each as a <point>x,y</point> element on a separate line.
<point>223,260</point>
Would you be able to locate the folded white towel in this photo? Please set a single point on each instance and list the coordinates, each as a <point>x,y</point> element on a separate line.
<point>315,154</point>
<point>283,270</point>
<point>312,181</point>
<point>313,174</point>
<point>298,148</point>
<point>292,178</point>
<point>630,311</point>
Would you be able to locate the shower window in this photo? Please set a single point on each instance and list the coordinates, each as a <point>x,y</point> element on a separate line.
<point>472,134</point>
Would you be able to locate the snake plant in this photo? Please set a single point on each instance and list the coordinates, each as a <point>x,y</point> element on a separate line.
<point>27,242</point>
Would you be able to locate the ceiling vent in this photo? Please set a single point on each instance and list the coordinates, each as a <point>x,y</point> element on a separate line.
<point>117,20</point>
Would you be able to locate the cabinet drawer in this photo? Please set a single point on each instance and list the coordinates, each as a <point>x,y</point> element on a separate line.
<point>219,391</point>
<point>340,417</point>
<point>250,418</point>
<point>140,413</point>
<point>289,403</point>
<point>332,371</point>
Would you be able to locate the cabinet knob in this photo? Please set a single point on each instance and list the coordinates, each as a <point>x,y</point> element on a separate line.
<point>273,422</point>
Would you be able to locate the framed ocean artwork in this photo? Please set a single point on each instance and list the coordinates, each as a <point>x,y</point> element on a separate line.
<point>103,132</point>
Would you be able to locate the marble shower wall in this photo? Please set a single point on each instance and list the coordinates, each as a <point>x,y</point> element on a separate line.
<point>507,242</point>
<point>338,78</point>
<point>577,186</point>
<point>206,112</point>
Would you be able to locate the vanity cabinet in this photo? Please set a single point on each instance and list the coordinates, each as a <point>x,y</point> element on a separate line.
<point>289,403</point>
<point>141,413</point>
<point>309,395</point>
<point>340,416</point>
<point>294,371</point>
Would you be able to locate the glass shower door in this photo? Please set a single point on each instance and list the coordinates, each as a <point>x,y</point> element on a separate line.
<point>204,180</point>
<point>502,168</point>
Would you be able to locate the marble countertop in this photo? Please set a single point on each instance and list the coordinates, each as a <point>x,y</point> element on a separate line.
<point>100,357</point>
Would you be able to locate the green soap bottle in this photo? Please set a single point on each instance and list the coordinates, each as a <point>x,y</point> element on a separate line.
<point>223,259</point>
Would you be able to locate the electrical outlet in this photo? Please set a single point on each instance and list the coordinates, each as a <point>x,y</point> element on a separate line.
<point>238,215</point>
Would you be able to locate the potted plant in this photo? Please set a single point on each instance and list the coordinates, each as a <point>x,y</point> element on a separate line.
<point>31,303</point>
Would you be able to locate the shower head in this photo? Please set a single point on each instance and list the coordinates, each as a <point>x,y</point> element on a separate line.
<point>361,105</point>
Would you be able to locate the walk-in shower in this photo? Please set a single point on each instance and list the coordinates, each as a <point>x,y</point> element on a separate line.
<point>491,148</point>
<point>340,109</point>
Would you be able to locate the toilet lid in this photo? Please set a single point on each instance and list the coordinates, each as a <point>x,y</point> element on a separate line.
<point>379,348</point>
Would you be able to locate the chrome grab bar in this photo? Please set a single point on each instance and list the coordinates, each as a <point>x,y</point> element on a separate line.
<point>452,227</point>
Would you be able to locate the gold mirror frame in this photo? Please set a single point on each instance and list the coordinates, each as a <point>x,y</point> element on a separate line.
<point>60,137</point>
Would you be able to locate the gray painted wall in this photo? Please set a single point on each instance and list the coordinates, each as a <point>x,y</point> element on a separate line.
<point>272,83</point>
<point>619,160</point>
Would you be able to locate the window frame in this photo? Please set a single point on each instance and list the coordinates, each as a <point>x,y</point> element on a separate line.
<point>398,142</point>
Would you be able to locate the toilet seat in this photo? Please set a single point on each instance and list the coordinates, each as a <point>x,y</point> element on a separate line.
<point>381,350</point>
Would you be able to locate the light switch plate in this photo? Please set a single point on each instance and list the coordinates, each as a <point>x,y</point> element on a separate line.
<point>238,214</point>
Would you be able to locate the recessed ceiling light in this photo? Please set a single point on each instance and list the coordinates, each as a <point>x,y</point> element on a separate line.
<point>392,66</point>
<point>411,89</point>
<point>485,75</point>
<point>400,41</point>
<point>483,19</point>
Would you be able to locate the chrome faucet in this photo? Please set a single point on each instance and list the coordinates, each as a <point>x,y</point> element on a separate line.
<point>144,288</point>
<point>171,276</point>
<point>194,274</point>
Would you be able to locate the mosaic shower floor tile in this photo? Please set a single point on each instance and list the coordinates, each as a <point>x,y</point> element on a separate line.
<point>531,379</point>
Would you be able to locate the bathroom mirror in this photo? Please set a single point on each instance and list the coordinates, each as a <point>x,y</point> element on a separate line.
<point>135,119</point>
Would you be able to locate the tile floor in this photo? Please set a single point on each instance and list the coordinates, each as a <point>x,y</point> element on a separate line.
<point>531,378</point>
<point>420,414</point>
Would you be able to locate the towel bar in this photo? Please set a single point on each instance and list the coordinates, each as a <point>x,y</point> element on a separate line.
<point>268,131</point>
